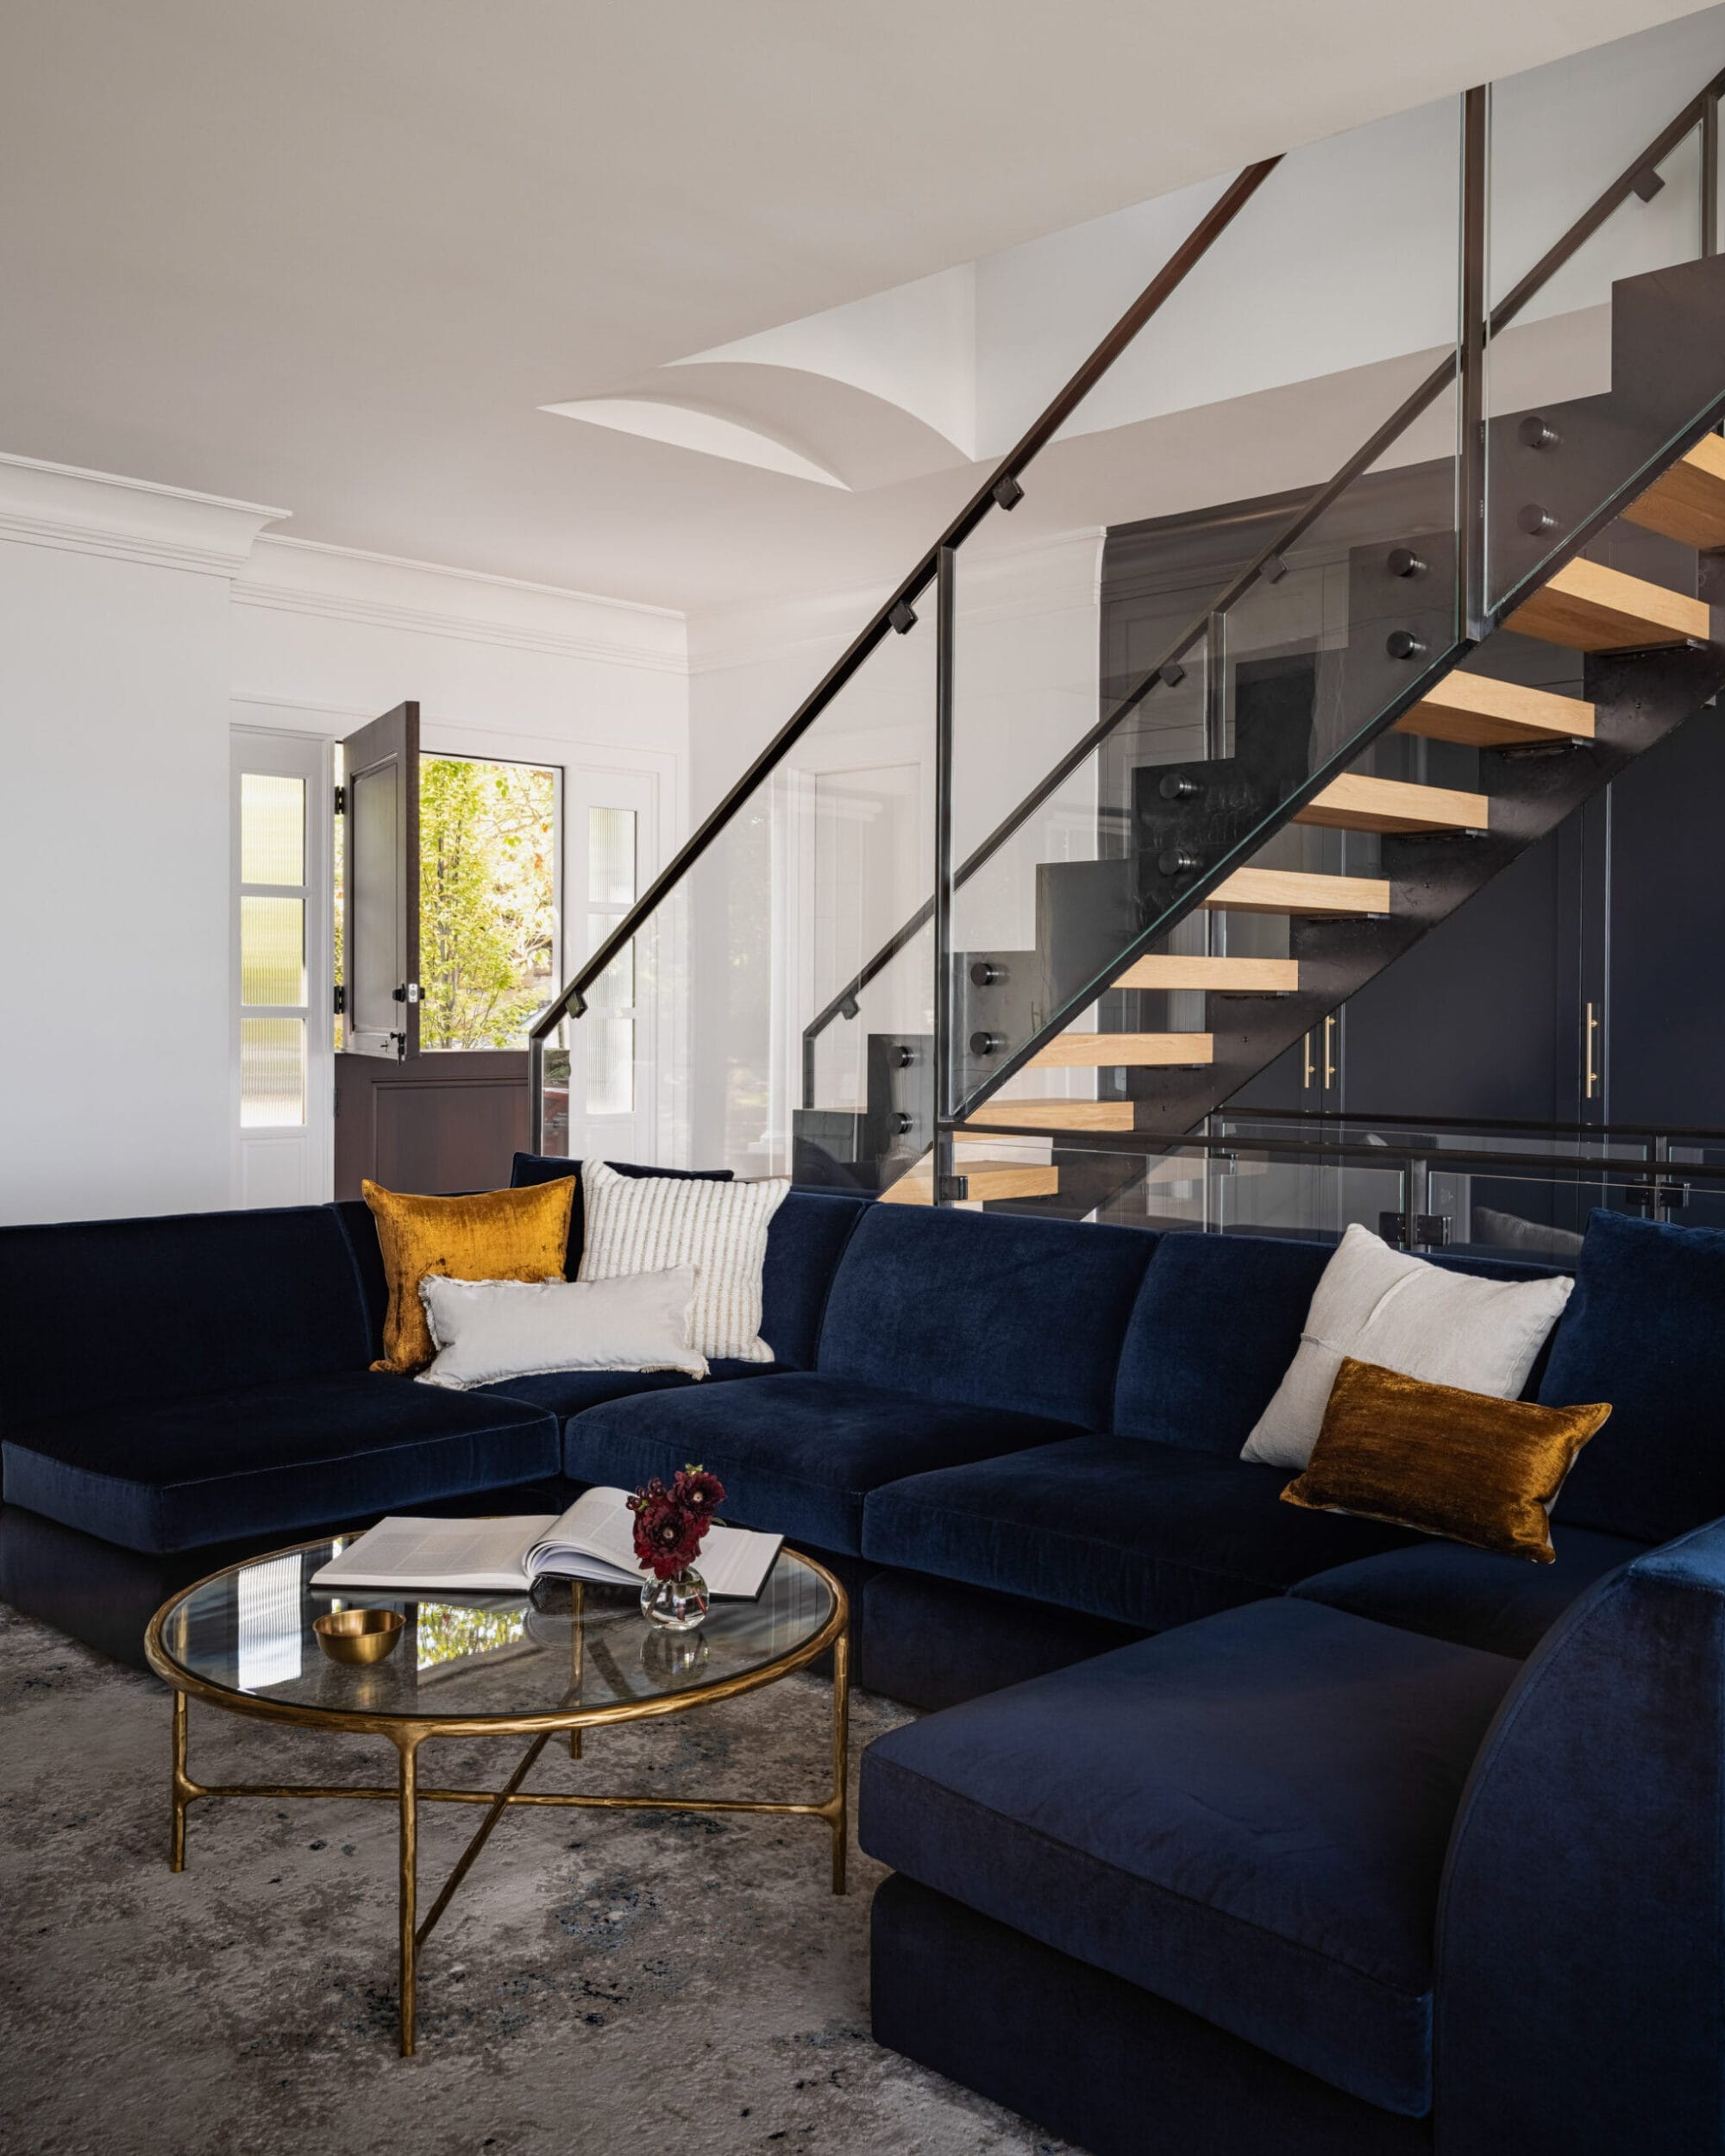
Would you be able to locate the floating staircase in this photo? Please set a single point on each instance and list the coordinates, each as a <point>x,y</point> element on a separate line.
<point>1366,772</point>
<point>1650,654</point>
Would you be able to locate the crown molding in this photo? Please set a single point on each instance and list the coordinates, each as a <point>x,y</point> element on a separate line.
<point>62,505</point>
<point>310,577</point>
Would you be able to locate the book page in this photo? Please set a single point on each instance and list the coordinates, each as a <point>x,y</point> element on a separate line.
<point>599,1524</point>
<point>734,1561</point>
<point>402,1552</point>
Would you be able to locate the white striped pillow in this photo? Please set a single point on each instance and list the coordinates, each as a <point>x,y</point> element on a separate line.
<point>648,1223</point>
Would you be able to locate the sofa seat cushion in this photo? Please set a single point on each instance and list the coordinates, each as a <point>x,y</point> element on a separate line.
<point>569,1392</point>
<point>1247,1817</point>
<point>797,1455</point>
<point>1146,1535</point>
<point>1476,1597</point>
<point>169,1474</point>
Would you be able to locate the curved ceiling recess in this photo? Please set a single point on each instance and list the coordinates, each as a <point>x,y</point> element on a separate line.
<point>863,395</point>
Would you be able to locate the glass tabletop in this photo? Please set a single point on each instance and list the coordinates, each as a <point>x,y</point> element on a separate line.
<point>572,1644</point>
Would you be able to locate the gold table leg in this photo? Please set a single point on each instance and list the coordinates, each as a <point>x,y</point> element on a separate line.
<point>409,1789</point>
<point>576,1636</point>
<point>182,1786</point>
<point>836,1808</point>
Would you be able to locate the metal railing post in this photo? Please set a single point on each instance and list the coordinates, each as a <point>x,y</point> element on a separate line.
<point>1472,477</point>
<point>945,1091</point>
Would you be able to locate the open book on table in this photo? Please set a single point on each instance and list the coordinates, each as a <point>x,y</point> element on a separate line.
<point>594,1539</point>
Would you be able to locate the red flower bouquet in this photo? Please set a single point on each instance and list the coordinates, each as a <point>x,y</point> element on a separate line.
<point>670,1525</point>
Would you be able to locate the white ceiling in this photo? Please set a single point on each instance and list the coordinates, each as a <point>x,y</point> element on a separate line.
<point>338,254</point>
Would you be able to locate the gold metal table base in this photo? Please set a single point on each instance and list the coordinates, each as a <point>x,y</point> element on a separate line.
<point>408,1736</point>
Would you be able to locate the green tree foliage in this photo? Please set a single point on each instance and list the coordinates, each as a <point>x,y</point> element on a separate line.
<point>487,900</point>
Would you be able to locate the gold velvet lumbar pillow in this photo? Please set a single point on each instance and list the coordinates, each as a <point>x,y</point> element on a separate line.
<point>494,1235</point>
<point>1462,1466</point>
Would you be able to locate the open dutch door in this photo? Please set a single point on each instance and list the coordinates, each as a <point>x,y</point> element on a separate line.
<point>413,1121</point>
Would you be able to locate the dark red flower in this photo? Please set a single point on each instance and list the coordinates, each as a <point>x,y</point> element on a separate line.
<point>669,1524</point>
<point>701,1491</point>
<point>665,1537</point>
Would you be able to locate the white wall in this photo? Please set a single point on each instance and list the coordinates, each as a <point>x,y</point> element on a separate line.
<point>113,871</point>
<point>136,629</point>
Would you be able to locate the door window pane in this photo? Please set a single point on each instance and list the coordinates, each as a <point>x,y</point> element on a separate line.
<point>272,1073</point>
<point>487,900</point>
<point>272,950</point>
<point>272,828</point>
<point>611,856</point>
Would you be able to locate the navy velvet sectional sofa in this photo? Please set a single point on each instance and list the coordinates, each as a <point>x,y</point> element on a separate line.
<point>1242,1827</point>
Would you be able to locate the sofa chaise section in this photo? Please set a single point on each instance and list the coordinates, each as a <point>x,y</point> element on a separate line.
<point>202,1378</point>
<point>269,1460</point>
<point>1247,1817</point>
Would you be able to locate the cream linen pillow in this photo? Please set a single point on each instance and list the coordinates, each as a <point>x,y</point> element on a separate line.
<point>1380,1305</point>
<point>643,1223</point>
<point>489,1330</point>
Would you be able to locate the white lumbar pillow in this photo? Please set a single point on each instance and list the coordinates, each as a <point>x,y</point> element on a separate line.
<point>489,1330</point>
<point>1381,1306</point>
<point>641,1224</point>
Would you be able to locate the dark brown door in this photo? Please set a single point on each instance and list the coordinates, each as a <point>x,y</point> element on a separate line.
<point>435,1123</point>
<point>381,990</point>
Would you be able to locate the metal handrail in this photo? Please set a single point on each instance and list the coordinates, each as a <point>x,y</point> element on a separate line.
<point>1000,490</point>
<point>1702,110</point>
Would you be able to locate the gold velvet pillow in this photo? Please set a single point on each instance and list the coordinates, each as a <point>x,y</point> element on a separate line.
<point>495,1235</point>
<point>1462,1466</point>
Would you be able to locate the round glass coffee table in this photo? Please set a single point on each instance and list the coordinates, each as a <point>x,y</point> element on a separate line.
<point>571,1657</point>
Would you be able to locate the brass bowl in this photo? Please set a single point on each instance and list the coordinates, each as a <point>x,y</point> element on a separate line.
<point>358,1635</point>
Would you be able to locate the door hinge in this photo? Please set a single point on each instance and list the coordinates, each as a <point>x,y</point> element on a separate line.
<point>341,800</point>
<point>341,1001</point>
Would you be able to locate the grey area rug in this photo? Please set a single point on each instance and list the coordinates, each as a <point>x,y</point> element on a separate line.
<point>601,1983</point>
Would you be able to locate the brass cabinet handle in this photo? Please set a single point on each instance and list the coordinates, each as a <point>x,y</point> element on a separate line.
<point>1306,1074</point>
<point>1589,1034</point>
<point>1329,1051</point>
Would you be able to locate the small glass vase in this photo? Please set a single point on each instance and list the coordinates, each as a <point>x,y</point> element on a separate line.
<point>675,1605</point>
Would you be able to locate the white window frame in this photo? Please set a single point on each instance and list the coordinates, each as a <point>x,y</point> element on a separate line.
<point>289,1165</point>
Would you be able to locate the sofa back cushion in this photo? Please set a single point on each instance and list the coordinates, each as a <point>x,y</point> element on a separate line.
<point>994,1310</point>
<point>1216,1326</point>
<point>101,1313</point>
<point>1645,1329</point>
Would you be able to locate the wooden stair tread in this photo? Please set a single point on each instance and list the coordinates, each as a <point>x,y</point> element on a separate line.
<point>1099,1051</point>
<point>987,1179</point>
<point>1272,976</point>
<point>1298,891</point>
<point>1481,713</point>
<point>1588,607</point>
<point>1687,501</point>
<point>1358,802</point>
<point>1057,1115</point>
